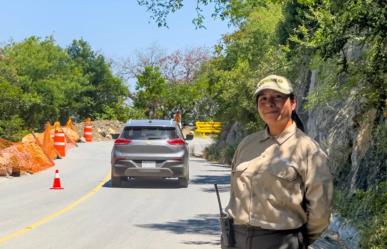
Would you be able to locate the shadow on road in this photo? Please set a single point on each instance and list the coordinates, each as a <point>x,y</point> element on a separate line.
<point>202,224</point>
<point>221,188</point>
<point>198,243</point>
<point>222,181</point>
<point>209,179</point>
<point>159,183</point>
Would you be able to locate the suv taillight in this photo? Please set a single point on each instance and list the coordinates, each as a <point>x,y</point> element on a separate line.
<point>176,141</point>
<point>122,141</point>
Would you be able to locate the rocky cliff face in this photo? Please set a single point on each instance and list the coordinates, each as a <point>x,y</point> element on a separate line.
<point>351,132</point>
<point>345,129</point>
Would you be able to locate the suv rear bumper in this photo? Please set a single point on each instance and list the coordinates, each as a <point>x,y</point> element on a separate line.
<point>169,168</point>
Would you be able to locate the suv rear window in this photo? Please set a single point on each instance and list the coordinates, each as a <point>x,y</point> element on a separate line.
<point>148,133</point>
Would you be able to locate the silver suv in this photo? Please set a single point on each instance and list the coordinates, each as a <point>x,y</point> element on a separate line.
<point>150,149</point>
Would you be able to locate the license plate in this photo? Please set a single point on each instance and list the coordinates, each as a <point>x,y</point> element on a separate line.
<point>149,164</point>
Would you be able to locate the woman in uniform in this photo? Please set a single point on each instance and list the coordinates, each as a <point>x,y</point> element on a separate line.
<point>281,187</point>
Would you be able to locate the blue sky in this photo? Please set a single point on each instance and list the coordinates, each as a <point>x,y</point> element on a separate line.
<point>116,28</point>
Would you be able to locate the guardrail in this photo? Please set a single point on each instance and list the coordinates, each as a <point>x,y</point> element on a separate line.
<point>205,128</point>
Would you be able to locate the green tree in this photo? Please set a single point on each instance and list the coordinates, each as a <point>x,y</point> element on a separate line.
<point>179,69</point>
<point>243,57</point>
<point>46,76</point>
<point>333,28</point>
<point>185,98</point>
<point>151,90</point>
<point>234,11</point>
<point>43,82</point>
<point>102,94</point>
<point>11,103</point>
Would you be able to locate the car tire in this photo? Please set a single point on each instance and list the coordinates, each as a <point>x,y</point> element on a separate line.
<point>183,182</point>
<point>116,181</point>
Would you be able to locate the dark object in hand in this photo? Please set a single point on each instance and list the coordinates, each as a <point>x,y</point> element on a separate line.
<point>226,224</point>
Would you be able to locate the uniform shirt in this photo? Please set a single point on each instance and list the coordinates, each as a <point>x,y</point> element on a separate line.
<point>281,182</point>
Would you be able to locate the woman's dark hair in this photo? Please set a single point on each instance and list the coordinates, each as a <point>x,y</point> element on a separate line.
<point>298,121</point>
<point>295,117</point>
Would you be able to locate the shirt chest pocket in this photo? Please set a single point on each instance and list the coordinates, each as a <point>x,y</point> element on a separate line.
<point>241,179</point>
<point>282,180</point>
<point>284,171</point>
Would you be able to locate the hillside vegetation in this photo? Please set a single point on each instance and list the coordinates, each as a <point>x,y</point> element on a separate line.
<point>41,82</point>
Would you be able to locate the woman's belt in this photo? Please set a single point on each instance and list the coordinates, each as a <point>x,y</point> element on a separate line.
<point>259,230</point>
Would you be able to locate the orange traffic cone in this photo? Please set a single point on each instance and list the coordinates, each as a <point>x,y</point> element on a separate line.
<point>56,183</point>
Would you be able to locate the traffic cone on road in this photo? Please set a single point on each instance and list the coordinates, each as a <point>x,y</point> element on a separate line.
<point>56,183</point>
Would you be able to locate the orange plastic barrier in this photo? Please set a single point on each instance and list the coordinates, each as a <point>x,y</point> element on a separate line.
<point>37,151</point>
<point>71,138</point>
<point>60,143</point>
<point>70,125</point>
<point>24,157</point>
<point>71,134</point>
<point>33,137</point>
<point>5,143</point>
<point>5,163</point>
<point>48,142</point>
<point>88,131</point>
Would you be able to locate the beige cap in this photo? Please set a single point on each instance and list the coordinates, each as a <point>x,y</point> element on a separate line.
<point>276,83</point>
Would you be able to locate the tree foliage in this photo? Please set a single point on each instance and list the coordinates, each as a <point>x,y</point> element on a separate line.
<point>45,74</point>
<point>177,67</point>
<point>160,10</point>
<point>180,89</point>
<point>157,97</point>
<point>151,89</point>
<point>242,59</point>
<point>234,11</point>
<point>333,29</point>
<point>103,93</point>
<point>41,82</point>
<point>13,100</point>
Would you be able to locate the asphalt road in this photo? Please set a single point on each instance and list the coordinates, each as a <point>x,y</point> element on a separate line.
<point>89,213</point>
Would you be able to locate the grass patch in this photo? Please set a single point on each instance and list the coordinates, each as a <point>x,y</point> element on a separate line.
<point>367,210</point>
<point>220,154</point>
